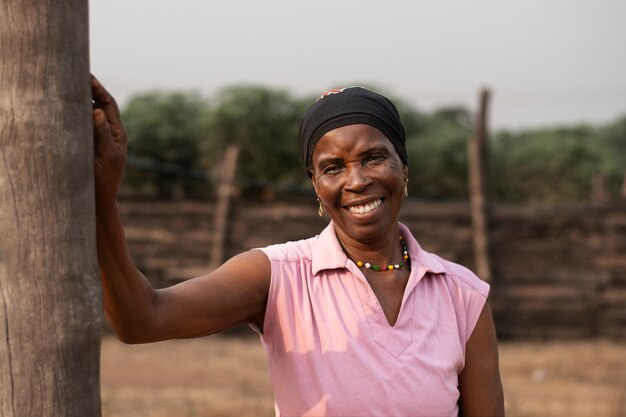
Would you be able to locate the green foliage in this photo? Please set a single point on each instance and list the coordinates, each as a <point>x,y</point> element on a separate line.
<point>412,120</point>
<point>614,135</point>
<point>165,131</point>
<point>177,138</point>
<point>264,123</point>
<point>438,155</point>
<point>548,165</point>
<point>613,138</point>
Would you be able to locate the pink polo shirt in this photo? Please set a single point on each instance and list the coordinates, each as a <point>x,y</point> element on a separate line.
<point>331,350</point>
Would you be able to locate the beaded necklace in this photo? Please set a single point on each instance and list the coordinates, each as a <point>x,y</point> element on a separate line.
<point>380,268</point>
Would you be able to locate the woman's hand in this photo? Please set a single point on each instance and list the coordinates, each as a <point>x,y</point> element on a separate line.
<point>110,143</point>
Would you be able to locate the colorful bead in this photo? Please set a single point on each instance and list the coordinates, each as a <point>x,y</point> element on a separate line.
<point>405,257</point>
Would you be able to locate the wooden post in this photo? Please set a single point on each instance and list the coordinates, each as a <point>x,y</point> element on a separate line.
<point>225,191</point>
<point>479,205</point>
<point>623,193</point>
<point>50,292</point>
<point>599,189</point>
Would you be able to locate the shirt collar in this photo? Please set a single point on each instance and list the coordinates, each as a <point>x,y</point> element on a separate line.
<point>328,253</point>
<point>419,257</point>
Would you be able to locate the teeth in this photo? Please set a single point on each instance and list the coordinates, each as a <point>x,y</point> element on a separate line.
<point>366,208</point>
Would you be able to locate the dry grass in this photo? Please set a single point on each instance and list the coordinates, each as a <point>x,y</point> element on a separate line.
<point>574,379</point>
<point>227,376</point>
<point>217,376</point>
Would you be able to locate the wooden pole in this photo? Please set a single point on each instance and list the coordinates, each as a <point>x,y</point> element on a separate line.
<point>225,192</point>
<point>50,298</point>
<point>477,151</point>
<point>599,189</point>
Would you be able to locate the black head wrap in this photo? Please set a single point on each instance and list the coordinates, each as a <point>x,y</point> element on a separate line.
<point>348,106</point>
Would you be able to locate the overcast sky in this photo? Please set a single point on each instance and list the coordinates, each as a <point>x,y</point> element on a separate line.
<point>547,62</point>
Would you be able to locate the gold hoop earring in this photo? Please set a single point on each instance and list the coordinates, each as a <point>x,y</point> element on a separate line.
<point>406,187</point>
<point>320,210</point>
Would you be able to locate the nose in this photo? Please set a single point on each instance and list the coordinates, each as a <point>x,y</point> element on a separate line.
<point>357,178</point>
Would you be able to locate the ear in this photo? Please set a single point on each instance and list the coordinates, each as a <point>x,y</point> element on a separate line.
<point>313,180</point>
<point>405,170</point>
<point>311,173</point>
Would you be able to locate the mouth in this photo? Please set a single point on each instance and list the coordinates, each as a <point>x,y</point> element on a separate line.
<point>365,208</point>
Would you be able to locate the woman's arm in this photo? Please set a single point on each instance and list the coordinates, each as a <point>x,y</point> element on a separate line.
<point>234,293</point>
<point>479,382</point>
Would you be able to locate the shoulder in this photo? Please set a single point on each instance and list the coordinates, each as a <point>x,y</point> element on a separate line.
<point>454,274</point>
<point>292,251</point>
<point>466,293</point>
<point>463,276</point>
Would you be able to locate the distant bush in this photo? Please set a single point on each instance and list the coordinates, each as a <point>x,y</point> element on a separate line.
<point>165,131</point>
<point>549,165</point>
<point>264,123</point>
<point>438,155</point>
<point>176,141</point>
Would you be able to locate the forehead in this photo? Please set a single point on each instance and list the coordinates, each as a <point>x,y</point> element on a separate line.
<point>350,140</point>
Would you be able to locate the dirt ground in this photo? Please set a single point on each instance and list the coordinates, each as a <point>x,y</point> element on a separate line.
<point>223,376</point>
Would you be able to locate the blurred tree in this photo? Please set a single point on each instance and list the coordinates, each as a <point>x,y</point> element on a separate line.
<point>176,138</point>
<point>613,137</point>
<point>438,154</point>
<point>165,131</point>
<point>264,123</point>
<point>547,165</point>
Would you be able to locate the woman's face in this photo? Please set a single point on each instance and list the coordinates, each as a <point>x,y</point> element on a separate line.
<point>359,179</point>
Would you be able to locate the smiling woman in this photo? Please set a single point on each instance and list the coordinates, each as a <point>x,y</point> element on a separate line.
<point>358,320</point>
<point>359,180</point>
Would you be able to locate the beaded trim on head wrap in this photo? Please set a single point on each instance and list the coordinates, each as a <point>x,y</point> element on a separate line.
<point>347,106</point>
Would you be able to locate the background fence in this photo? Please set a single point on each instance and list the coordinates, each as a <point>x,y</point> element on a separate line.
<point>558,271</point>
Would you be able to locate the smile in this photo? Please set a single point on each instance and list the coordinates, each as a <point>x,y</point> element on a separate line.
<point>365,208</point>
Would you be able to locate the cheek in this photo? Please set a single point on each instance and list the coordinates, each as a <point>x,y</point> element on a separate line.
<point>391,173</point>
<point>327,187</point>
<point>394,165</point>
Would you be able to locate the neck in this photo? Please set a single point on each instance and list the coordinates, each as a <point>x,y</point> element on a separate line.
<point>383,250</point>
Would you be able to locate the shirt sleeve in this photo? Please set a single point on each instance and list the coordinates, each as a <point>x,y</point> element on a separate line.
<point>475,300</point>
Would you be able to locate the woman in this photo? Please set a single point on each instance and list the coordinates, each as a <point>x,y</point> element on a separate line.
<point>356,321</point>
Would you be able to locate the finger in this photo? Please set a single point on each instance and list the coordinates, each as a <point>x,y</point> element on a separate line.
<point>105,101</point>
<point>102,132</point>
<point>99,94</point>
<point>99,119</point>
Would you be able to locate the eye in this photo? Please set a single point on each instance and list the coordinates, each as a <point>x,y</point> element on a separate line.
<point>332,169</point>
<point>375,158</point>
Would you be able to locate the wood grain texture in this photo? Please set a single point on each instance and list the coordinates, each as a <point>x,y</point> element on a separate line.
<point>50,300</point>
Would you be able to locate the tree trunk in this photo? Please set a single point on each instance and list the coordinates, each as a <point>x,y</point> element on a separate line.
<point>50,297</point>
